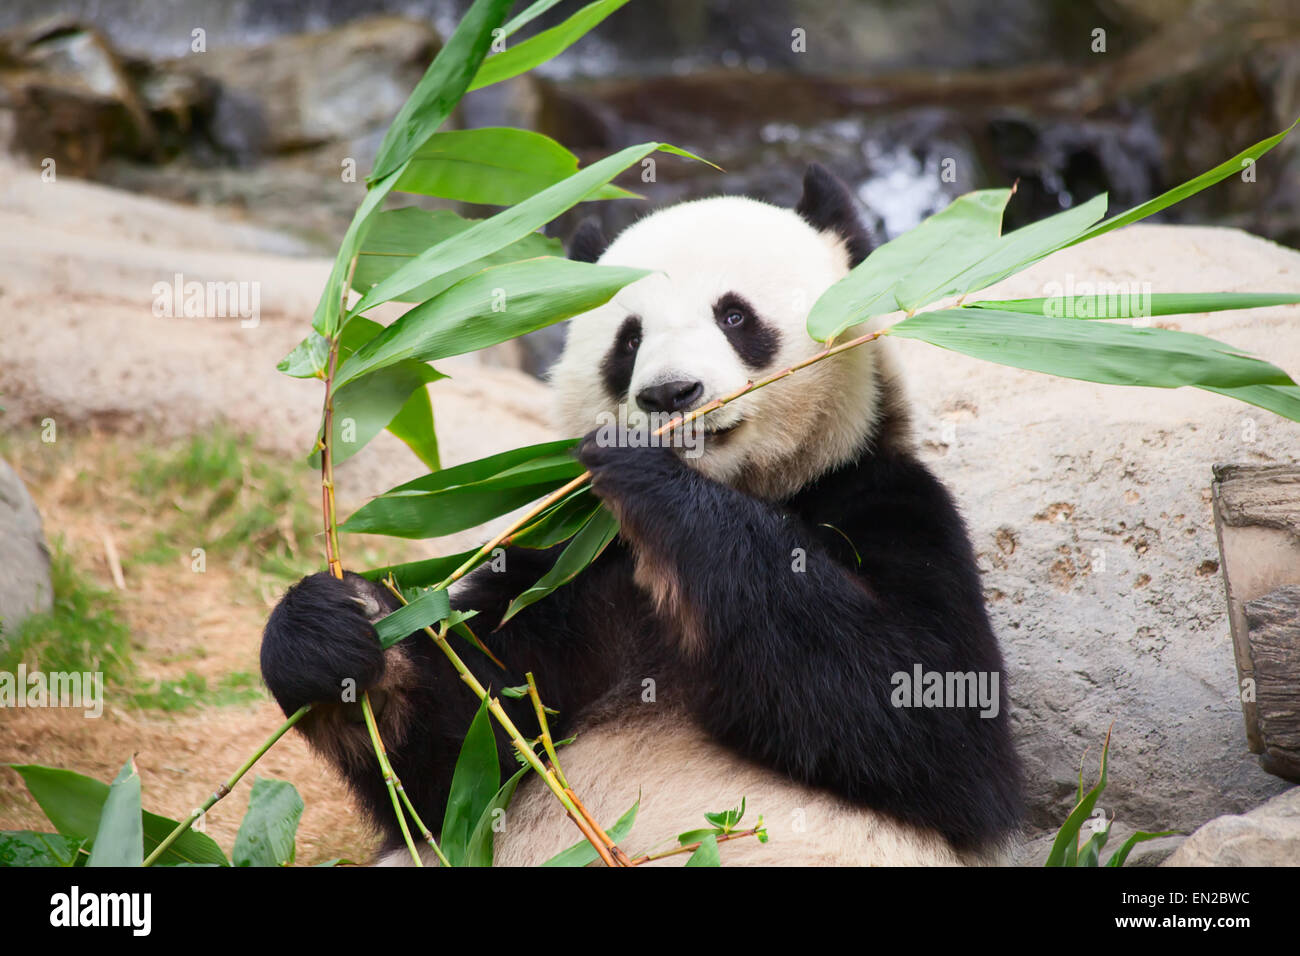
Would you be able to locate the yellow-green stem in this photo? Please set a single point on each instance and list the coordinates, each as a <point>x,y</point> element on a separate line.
<point>226,787</point>
<point>390,778</point>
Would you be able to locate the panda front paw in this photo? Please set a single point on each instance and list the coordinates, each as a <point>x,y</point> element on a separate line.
<point>320,643</point>
<point>626,469</point>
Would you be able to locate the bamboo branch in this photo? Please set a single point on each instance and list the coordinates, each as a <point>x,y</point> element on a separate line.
<point>328,506</point>
<point>605,847</point>
<point>692,847</point>
<point>390,778</point>
<point>676,422</point>
<point>226,787</point>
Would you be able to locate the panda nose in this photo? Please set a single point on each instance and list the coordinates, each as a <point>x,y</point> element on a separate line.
<point>670,396</point>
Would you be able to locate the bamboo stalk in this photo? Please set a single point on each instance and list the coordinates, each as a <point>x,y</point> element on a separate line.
<point>692,847</point>
<point>690,416</point>
<point>389,777</point>
<point>521,744</point>
<point>226,787</point>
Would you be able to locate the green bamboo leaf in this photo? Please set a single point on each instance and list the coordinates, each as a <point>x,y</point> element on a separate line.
<point>414,426</point>
<point>328,318</point>
<point>479,850</point>
<point>529,14</point>
<point>695,836</point>
<point>1231,167</point>
<point>587,545</point>
<point>119,841</point>
<point>726,820</point>
<point>474,784</point>
<point>1119,301</point>
<point>74,804</point>
<point>267,833</point>
<point>1016,251</point>
<point>491,306</point>
<point>30,848</point>
<point>492,166</point>
<point>1092,351</point>
<point>707,854</point>
<point>1283,400</point>
<point>425,611</point>
<point>509,225</point>
<point>366,406</point>
<point>443,84</point>
<point>399,235</point>
<point>546,45</point>
<point>1119,856</point>
<point>420,574</point>
<point>580,854</point>
<point>940,247</point>
<point>311,355</point>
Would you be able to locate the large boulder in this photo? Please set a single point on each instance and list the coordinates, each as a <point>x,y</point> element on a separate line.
<point>24,558</point>
<point>1090,511</point>
<point>1266,836</point>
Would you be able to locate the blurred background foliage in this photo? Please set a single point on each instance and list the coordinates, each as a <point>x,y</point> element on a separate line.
<point>890,94</point>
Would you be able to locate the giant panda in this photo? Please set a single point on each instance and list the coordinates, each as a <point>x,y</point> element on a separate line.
<point>743,635</point>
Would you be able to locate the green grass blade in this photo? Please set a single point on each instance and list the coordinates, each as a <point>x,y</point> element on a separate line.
<point>547,44</point>
<point>119,841</point>
<point>1121,855</point>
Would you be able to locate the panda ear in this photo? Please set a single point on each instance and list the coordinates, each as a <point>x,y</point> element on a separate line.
<point>588,243</point>
<point>827,204</point>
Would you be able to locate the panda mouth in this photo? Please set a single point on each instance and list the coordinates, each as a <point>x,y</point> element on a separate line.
<point>723,431</point>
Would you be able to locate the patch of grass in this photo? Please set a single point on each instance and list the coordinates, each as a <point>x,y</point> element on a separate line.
<point>193,690</point>
<point>83,632</point>
<point>231,501</point>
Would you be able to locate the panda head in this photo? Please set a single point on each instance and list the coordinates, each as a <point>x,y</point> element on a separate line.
<point>726,303</point>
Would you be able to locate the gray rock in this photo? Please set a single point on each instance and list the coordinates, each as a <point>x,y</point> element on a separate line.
<point>1266,836</point>
<point>24,559</point>
<point>1090,511</point>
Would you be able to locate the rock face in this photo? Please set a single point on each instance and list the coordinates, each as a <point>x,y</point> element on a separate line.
<point>24,559</point>
<point>1090,510</point>
<point>1267,836</point>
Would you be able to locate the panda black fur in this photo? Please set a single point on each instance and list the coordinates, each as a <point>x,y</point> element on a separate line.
<point>766,591</point>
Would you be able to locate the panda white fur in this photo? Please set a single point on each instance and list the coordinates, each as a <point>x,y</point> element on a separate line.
<point>741,637</point>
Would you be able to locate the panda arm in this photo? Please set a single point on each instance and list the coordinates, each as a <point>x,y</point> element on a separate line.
<point>794,646</point>
<point>321,635</point>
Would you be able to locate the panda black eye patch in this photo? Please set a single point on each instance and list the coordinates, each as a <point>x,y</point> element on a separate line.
<point>616,368</point>
<point>753,340</point>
